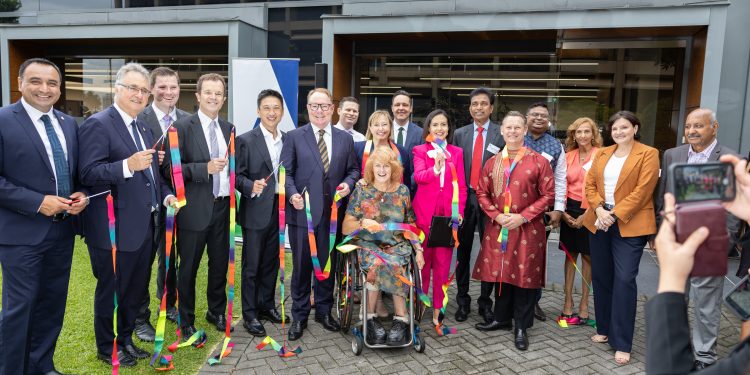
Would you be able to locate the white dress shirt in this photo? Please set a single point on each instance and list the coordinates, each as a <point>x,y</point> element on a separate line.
<point>356,136</point>
<point>326,138</point>
<point>701,157</point>
<point>128,120</point>
<point>36,119</point>
<point>274,149</point>
<point>561,181</point>
<point>224,173</point>
<point>160,116</point>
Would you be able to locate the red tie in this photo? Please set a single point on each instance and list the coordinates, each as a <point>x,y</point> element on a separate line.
<point>476,160</point>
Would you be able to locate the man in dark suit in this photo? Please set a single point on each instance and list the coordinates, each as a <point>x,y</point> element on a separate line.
<point>258,156</point>
<point>319,158</point>
<point>37,236</point>
<point>117,158</point>
<point>165,87</point>
<point>480,140</point>
<point>405,133</point>
<point>702,146</point>
<point>204,221</point>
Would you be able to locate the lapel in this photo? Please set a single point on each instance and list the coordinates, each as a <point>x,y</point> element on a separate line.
<point>336,139</point>
<point>69,135</point>
<point>260,144</point>
<point>466,146</point>
<point>715,154</point>
<point>122,129</point>
<point>682,154</point>
<point>149,118</point>
<point>226,130</point>
<point>492,139</point>
<point>636,154</point>
<point>28,126</point>
<point>198,137</point>
<point>307,133</point>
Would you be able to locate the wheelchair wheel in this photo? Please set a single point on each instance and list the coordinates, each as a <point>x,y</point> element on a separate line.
<point>419,344</point>
<point>358,343</point>
<point>346,273</point>
<point>419,307</point>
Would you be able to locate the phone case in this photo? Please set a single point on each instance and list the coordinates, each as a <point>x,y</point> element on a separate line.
<point>711,257</point>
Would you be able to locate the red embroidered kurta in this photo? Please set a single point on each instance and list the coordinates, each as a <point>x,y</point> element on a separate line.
<point>532,190</point>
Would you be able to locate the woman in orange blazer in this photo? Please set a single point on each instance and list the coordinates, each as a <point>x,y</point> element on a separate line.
<point>619,188</point>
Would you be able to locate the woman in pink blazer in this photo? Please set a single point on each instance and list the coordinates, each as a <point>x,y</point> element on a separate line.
<point>432,173</point>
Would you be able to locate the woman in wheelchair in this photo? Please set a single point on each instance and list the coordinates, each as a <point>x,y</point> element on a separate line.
<point>383,254</point>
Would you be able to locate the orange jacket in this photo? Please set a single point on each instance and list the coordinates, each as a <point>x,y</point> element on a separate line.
<point>634,206</point>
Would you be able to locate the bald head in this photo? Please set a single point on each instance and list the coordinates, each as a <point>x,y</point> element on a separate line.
<point>701,128</point>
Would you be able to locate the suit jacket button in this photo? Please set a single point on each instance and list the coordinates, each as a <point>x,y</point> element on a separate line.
<point>148,184</point>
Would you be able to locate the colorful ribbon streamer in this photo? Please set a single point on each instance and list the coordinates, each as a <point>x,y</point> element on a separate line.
<point>325,272</point>
<point>177,180</point>
<point>507,170</point>
<point>113,242</point>
<point>227,346</point>
<point>368,149</point>
<point>165,361</point>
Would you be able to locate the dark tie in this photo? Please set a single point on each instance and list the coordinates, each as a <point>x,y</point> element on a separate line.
<point>323,150</point>
<point>400,139</point>
<point>58,155</point>
<point>476,160</point>
<point>147,171</point>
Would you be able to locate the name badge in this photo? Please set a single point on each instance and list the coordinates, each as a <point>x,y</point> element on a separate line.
<point>492,149</point>
<point>547,156</point>
<point>587,166</point>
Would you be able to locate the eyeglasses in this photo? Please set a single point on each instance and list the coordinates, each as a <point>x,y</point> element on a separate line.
<point>316,107</point>
<point>134,89</point>
<point>539,115</point>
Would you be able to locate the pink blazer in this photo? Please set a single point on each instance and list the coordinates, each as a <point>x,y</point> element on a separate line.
<point>428,185</point>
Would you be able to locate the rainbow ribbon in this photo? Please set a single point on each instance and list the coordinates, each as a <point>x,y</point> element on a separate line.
<point>570,257</point>
<point>368,149</point>
<point>162,321</point>
<point>227,346</point>
<point>113,242</point>
<point>177,179</point>
<point>326,272</point>
<point>282,350</point>
<point>507,170</point>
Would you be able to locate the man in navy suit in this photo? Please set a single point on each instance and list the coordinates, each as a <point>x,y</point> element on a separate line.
<point>405,133</point>
<point>38,186</point>
<point>321,159</point>
<point>117,157</point>
<point>258,156</point>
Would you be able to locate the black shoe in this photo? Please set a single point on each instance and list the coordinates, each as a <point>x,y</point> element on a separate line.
<point>136,352</point>
<point>187,332</point>
<point>462,313</point>
<point>297,329</point>
<point>486,314</point>
<point>124,358</point>
<point>493,325</point>
<point>271,315</point>
<point>220,321</point>
<point>144,331</point>
<point>172,314</point>
<point>328,322</point>
<point>698,365</point>
<point>539,313</point>
<point>375,332</point>
<point>398,335</point>
<point>521,340</point>
<point>254,327</point>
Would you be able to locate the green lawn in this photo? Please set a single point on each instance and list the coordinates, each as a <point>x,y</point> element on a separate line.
<point>76,350</point>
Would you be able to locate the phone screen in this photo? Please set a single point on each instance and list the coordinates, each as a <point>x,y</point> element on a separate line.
<point>739,299</point>
<point>700,182</point>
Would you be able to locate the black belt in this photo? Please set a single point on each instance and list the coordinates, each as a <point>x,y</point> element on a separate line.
<point>608,207</point>
<point>218,199</point>
<point>60,217</point>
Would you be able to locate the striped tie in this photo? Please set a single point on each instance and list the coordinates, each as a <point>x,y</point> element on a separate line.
<point>58,156</point>
<point>323,150</point>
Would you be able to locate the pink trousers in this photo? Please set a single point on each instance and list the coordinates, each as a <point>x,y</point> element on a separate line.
<point>437,261</point>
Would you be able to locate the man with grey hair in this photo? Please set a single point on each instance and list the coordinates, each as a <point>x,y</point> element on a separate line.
<point>117,157</point>
<point>702,146</point>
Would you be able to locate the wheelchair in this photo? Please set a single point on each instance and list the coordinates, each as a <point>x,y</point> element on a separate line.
<point>350,279</point>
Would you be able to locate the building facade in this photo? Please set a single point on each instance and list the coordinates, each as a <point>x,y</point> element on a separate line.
<point>658,58</point>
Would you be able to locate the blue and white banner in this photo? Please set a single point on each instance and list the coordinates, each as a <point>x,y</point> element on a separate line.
<point>251,76</point>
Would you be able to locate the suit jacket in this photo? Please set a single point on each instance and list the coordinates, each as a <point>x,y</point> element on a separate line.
<point>148,117</point>
<point>634,206</point>
<point>254,163</point>
<point>26,174</point>
<point>108,144</point>
<point>428,196</point>
<point>413,136</point>
<point>359,152</point>
<point>305,169</point>
<point>195,155</point>
<point>464,138</point>
<point>668,349</point>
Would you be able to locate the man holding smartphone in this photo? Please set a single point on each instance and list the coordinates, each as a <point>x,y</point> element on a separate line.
<point>702,146</point>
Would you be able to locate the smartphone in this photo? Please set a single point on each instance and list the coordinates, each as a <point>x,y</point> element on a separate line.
<point>702,182</point>
<point>738,299</point>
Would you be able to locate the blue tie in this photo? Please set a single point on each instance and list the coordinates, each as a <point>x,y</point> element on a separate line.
<point>137,138</point>
<point>58,155</point>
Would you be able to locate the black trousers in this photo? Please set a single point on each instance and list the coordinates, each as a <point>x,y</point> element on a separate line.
<point>303,270</point>
<point>159,249</point>
<point>515,303</point>
<point>35,289</point>
<point>474,218</point>
<point>190,245</point>
<point>130,281</point>
<point>260,266</point>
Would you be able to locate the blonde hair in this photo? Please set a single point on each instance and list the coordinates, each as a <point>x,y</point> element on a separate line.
<point>375,116</point>
<point>596,139</point>
<point>383,155</point>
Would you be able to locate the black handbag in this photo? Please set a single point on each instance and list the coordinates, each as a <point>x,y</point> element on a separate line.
<point>441,231</point>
